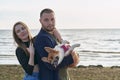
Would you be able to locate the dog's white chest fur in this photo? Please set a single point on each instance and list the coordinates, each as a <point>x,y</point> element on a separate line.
<point>63,53</point>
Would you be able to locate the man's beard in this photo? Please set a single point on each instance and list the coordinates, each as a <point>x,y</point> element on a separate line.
<point>48,30</point>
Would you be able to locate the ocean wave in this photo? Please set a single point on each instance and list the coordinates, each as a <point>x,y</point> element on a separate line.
<point>99,51</point>
<point>111,40</point>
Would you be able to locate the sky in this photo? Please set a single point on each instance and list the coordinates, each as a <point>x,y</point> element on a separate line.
<point>69,14</point>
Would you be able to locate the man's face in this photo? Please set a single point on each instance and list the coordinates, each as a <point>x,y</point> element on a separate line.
<point>48,21</point>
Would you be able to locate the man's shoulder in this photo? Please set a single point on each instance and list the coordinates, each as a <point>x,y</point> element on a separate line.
<point>42,33</point>
<point>42,36</point>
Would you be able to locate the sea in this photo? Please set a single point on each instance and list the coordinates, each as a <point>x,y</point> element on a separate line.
<point>97,46</point>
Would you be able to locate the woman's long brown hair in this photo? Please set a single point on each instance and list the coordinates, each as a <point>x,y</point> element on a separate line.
<point>19,41</point>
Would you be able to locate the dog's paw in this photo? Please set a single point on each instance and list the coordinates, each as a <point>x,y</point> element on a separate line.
<point>65,42</point>
<point>76,45</point>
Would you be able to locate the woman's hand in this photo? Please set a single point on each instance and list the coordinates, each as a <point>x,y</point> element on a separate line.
<point>31,52</point>
<point>31,49</point>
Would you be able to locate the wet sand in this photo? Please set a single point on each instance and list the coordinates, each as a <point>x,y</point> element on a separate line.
<point>15,72</point>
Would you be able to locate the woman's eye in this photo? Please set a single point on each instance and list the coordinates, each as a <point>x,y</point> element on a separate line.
<point>18,31</point>
<point>23,28</point>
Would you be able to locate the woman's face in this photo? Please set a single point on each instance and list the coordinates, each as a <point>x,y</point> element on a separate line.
<point>21,32</point>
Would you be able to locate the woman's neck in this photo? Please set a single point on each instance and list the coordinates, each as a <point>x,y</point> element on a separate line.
<point>25,40</point>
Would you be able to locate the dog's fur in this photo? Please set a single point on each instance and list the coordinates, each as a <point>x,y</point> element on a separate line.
<point>56,55</point>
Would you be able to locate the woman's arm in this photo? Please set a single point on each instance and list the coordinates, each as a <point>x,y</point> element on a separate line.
<point>23,60</point>
<point>57,35</point>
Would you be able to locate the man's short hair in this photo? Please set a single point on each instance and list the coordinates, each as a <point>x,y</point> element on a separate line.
<point>46,10</point>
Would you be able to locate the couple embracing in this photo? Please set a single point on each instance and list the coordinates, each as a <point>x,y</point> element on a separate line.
<point>30,50</point>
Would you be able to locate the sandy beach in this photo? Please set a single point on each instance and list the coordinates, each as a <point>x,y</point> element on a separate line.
<point>15,72</point>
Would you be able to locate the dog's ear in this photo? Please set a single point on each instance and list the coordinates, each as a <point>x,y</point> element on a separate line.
<point>45,59</point>
<point>50,50</point>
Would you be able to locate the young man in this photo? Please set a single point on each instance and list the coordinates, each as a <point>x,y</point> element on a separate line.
<point>45,39</point>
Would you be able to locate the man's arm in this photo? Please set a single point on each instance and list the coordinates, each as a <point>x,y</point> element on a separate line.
<point>39,44</point>
<point>45,41</point>
<point>68,60</point>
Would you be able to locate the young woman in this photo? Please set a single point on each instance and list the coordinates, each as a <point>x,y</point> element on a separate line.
<point>25,51</point>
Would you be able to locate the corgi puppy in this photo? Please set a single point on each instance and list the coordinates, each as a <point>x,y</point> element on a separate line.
<point>56,55</point>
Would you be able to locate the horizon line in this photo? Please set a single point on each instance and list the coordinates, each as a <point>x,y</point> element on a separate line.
<point>65,28</point>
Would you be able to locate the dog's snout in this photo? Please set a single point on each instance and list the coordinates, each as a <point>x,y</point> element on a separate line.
<point>57,58</point>
<point>55,62</point>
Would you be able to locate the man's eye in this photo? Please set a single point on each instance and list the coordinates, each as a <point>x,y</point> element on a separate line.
<point>52,19</point>
<point>46,20</point>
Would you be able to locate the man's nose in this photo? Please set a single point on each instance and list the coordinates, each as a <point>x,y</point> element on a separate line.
<point>50,22</point>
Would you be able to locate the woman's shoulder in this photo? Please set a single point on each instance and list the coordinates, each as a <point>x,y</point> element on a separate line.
<point>19,50</point>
